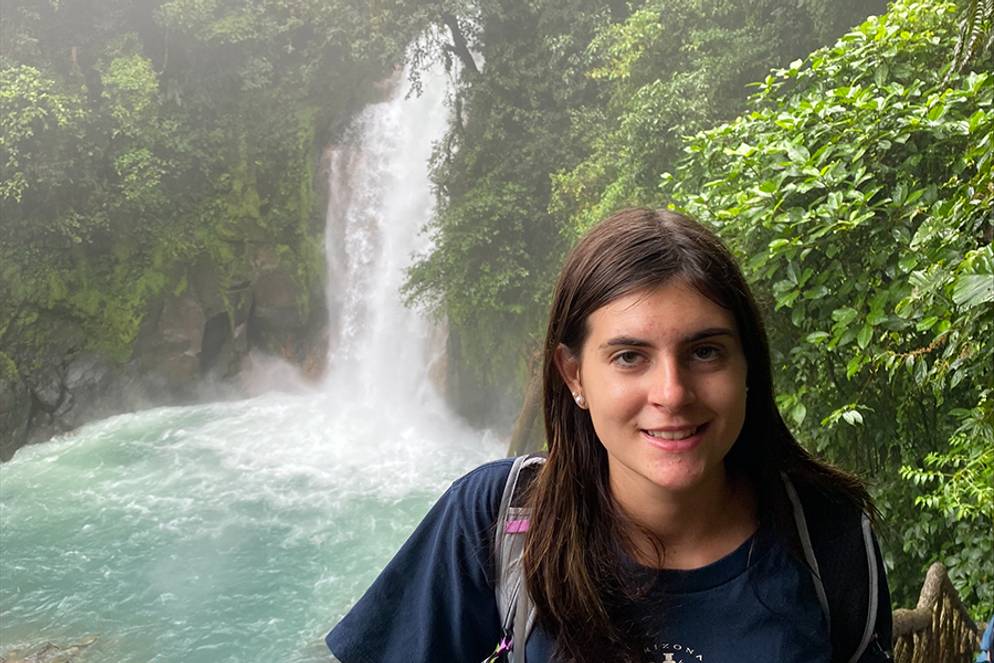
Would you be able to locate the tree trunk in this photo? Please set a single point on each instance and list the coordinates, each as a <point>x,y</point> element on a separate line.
<point>459,46</point>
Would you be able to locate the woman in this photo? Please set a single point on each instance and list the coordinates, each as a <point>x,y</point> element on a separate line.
<point>665,522</point>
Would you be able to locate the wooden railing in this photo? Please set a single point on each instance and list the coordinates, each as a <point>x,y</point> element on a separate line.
<point>939,630</point>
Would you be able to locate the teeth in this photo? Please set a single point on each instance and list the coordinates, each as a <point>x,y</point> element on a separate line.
<point>673,434</point>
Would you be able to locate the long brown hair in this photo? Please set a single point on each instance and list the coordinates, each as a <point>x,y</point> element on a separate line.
<point>578,534</point>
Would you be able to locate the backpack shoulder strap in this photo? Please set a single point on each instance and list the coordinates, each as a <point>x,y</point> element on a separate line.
<point>844,566</point>
<point>514,607</point>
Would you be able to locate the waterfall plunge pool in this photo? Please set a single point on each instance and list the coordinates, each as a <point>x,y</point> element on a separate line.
<point>225,532</point>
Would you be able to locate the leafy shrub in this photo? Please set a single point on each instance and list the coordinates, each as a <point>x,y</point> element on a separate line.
<point>858,191</point>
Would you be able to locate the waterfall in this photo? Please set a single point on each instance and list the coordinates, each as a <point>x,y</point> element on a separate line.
<point>241,531</point>
<point>380,197</point>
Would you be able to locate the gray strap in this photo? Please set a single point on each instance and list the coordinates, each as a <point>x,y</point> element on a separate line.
<point>508,569</point>
<point>871,567</point>
<point>809,553</point>
<point>872,572</point>
<point>524,614</point>
<point>513,602</point>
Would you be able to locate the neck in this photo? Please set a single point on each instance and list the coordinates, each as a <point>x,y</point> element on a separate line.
<point>695,527</point>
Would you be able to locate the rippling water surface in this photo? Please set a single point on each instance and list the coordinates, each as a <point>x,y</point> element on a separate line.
<point>237,531</point>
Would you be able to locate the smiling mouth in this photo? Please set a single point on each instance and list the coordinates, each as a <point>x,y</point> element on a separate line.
<point>673,435</point>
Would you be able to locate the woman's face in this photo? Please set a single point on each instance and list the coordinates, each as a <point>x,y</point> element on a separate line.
<point>663,374</point>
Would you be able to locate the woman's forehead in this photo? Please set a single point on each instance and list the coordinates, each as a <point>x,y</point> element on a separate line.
<point>674,308</point>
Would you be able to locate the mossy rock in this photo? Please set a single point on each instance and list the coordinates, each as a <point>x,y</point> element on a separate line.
<point>8,369</point>
<point>15,408</point>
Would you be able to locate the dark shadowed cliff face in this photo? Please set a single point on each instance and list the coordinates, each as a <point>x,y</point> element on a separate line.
<point>190,345</point>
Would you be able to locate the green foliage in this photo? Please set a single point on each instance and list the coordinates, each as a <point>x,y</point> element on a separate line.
<point>672,68</point>
<point>574,112</point>
<point>496,246</point>
<point>8,369</point>
<point>141,139</point>
<point>976,34</point>
<point>858,191</point>
<point>960,475</point>
<point>33,113</point>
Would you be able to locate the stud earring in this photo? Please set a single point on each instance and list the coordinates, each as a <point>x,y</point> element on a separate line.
<point>580,400</point>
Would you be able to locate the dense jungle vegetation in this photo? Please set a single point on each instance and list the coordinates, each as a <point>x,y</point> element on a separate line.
<point>142,137</point>
<point>845,158</point>
<point>853,180</point>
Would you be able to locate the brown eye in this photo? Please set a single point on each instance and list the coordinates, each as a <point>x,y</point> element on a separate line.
<point>707,353</point>
<point>627,359</point>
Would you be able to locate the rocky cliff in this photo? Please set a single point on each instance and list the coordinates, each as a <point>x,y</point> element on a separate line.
<point>192,343</point>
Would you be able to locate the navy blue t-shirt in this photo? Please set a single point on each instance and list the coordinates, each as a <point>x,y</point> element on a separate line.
<point>435,600</point>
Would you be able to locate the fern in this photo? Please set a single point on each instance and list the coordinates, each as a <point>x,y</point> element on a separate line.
<point>976,36</point>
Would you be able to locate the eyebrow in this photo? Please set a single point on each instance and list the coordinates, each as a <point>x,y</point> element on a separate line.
<point>631,341</point>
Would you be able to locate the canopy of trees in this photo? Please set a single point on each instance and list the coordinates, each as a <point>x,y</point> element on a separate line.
<point>578,109</point>
<point>140,137</point>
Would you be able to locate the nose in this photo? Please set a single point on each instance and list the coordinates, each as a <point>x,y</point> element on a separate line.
<point>672,386</point>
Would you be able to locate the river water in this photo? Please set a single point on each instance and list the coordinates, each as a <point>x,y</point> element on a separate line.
<point>241,531</point>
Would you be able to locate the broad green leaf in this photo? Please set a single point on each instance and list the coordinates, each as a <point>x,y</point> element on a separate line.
<point>936,111</point>
<point>852,417</point>
<point>971,290</point>
<point>798,153</point>
<point>844,315</point>
<point>798,412</point>
<point>854,365</point>
<point>864,336</point>
<point>880,74</point>
<point>908,262</point>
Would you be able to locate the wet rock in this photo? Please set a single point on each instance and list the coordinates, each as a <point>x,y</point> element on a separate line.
<point>15,414</point>
<point>49,652</point>
<point>192,342</point>
<point>275,302</point>
<point>89,383</point>
<point>169,345</point>
<point>218,356</point>
<point>205,285</point>
<point>181,327</point>
<point>47,388</point>
<point>87,372</point>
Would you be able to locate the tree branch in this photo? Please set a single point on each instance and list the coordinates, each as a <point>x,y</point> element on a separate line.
<point>459,46</point>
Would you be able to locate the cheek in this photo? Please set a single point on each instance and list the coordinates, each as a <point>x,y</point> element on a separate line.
<point>611,396</point>
<point>613,404</point>
<point>724,394</point>
<point>732,403</point>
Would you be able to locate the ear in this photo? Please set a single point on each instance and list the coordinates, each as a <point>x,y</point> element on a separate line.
<point>568,365</point>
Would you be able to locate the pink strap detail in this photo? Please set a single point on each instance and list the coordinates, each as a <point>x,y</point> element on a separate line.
<point>516,526</point>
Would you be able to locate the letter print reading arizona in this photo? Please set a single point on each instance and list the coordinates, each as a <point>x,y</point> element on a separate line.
<point>672,652</point>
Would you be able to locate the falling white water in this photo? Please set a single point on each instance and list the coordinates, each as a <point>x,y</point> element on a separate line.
<point>242,531</point>
<point>380,199</point>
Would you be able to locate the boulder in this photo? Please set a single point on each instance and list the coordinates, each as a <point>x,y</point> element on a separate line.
<point>169,345</point>
<point>47,387</point>
<point>275,302</point>
<point>90,390</point>
<point>181,326</point>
